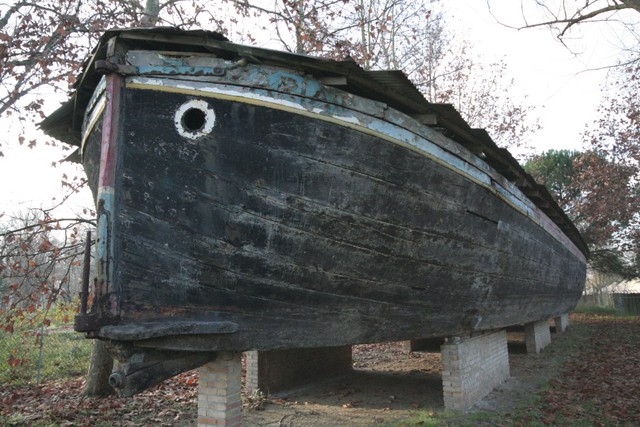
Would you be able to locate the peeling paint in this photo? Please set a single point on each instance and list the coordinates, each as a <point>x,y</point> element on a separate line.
<point>208,119</point>
<point>365,123</point>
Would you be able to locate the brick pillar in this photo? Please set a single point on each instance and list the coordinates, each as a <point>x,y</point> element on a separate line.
<point>472,367</point>
<point>252,373</point>
<point>276,370</point>
<point>562,322</point>
<point>537,336</point>
<point>423,344</point>
<point>219,401</point>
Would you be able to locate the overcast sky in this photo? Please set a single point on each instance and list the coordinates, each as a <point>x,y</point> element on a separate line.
<point>564,81</point>
<point>550,74</point>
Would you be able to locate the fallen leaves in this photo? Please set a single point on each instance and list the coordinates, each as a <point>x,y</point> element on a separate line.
<point>598,386</point>
<point>599,383</point>
<point>62,403</point>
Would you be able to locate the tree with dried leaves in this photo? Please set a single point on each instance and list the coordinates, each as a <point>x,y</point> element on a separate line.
<point>564,15</point>
<point>42,47</point>
<point>43,44</point>
<point>601,196</point>
<point>414,36</point>
<point>39,266</point>
<point>312,27</point>
<point>480,92</point>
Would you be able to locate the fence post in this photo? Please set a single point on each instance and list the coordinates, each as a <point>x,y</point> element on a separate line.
<point>41,338</point>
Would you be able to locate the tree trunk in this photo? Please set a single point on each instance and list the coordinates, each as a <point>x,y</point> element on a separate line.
<point>151,13</point>
<point>99,370</point>
<point>633,4</point>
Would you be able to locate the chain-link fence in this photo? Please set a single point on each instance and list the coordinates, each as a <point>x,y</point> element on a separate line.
<point>31,354</point>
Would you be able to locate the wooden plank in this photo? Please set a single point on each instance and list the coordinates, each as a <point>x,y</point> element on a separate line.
<point>300,227</point>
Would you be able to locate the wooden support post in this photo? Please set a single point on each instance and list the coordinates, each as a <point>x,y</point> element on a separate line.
<point>423,344</point>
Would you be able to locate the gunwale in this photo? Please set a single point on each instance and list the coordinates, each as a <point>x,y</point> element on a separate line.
<point>409,134</point>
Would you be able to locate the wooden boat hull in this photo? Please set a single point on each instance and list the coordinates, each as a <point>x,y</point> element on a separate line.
<point>303,233</point>
<point>245,206</point>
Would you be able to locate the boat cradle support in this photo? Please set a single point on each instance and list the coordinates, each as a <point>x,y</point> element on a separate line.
<point>138,368</point>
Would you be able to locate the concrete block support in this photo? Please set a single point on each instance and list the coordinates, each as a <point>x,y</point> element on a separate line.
<point>423,344</point>
<point>562,322</point>
<point>537,335</point>
<point>472,367</point>
<point>219,401</point>
<point>271,371</point>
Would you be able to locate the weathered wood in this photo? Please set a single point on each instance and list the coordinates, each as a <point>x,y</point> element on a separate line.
<point>138,369</point>
<point>100,366</point>
<point>246,206</point>
<point>144,331</point>
<point>86,273</point>
<point>265,227</point>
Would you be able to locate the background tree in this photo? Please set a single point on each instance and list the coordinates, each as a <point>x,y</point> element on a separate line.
<point>606,175</point>
<point>413,36</point>
<point>616,136</point>
<point>563,16</point>
<point>600,195</point>
<point>555,169</point>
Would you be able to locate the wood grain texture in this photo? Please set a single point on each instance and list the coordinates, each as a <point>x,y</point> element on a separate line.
<point>308,234</point>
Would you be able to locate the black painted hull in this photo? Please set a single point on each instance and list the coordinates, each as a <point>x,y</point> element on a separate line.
<point>279,230</point>
<point>254,199</point>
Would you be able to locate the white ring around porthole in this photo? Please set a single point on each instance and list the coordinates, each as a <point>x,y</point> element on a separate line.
<point>194,119</point>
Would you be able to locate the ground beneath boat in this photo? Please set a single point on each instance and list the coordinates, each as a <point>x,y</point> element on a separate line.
<point>587,376</point>
<point>389,385</point>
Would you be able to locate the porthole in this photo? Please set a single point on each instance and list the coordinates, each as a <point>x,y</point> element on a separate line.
<point>194,119</point>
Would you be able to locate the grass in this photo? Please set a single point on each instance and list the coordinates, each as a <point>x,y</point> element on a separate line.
<point>34,352</point>
<point>420,418</point>
<point>65,354</point>
<point>537,409</point>
<point>600,311</point>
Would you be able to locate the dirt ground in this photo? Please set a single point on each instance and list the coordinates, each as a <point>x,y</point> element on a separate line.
<point>389,384</point>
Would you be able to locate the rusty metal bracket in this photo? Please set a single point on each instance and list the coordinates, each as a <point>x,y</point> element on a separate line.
<point>92,322</point>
